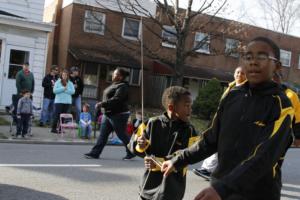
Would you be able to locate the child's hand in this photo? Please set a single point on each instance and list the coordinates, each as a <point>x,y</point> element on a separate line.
<point>98,104</point>
<point>167,167</point>
<point>19,116</point>
<point>149,164</point>
<point>208,194</point>
<point>142,141</point>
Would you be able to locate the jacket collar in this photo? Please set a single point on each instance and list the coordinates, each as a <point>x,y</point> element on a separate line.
<point>266,88</point>
<point>165,118</point>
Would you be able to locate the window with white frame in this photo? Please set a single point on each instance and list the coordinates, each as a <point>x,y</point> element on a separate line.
<point>202,42</point>
<point>169,38</point>
<point>91,79</point>
<point>16,60</point>
<point>131,28</point>
<point>231,48</point>
<point>94,22</point>
<point>285,58</point>
<point>134,77</point>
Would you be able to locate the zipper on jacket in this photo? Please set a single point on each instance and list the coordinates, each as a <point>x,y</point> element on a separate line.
<point>246,96</point>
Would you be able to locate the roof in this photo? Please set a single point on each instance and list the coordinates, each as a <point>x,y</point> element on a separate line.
<point>104,57</point>
<point>9,14</point>
<point>196,72</point>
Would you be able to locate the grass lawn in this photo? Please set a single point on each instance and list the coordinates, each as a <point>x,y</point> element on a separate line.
<point>3,121</point>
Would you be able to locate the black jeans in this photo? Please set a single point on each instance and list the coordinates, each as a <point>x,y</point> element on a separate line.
<point>59,108</point>
<point>117,123</point>
<point>23,124</point>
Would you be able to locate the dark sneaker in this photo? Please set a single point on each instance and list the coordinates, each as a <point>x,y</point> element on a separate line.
<point>91,156</point>
<point>54,131</point>
<point>128,157</point>
<point>202,173</point>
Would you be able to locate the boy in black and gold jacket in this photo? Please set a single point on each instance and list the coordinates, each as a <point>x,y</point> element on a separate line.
<point>163,136</point>
<point>251,132</point>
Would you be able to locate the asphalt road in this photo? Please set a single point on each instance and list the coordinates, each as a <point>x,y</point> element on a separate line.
<point>59,172</point>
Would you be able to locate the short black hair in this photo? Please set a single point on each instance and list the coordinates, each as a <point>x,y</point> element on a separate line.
<point>124,73</point>
<point>26,63</point>
<point>271,43</point>
<point>173,94</point>
<point>24,91</point>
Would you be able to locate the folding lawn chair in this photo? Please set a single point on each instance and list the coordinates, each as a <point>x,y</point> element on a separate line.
<point>66,121</point>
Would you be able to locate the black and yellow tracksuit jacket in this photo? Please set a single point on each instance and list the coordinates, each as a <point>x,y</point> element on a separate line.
<point>296,105</point>
<point>251,132</point>
<point>164,138</point>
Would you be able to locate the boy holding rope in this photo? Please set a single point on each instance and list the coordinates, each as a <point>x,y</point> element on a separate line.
<point>160,140</point>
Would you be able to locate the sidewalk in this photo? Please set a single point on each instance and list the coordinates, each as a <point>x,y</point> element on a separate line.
<point>41,135</point>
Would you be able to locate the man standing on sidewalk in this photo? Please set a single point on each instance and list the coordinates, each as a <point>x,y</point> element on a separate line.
<point>25,80</point>
<point>78,85</point>
<point>48,102</point>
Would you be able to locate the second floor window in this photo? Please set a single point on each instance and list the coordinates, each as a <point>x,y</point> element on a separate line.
<point>231,48</point>
<point>131,29</point>
<point>285,58</point>
<point>169,38</point>
<point>94,22</point>
<point>202,42</point>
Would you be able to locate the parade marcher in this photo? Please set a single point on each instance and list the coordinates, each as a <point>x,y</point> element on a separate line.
<point>159,140</point>
<point>63,90</point>
<point>116,114</point>
<point>162,137</point>
<point>24,113</point>
<point>250,131</point>
<point>48,101</point>
<point>296,105</point>
<point>210,163</point>
<point>78,85</point>
<point>25,80</point>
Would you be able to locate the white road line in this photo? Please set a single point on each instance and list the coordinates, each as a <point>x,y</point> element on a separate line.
<point>291,185</point>
<point>47,165</point>
<point>295,195</point>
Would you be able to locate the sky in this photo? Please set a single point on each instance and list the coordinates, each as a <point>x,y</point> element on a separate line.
<point>247,11</point>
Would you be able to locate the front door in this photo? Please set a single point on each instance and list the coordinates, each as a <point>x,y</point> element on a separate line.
<point>15,56</point>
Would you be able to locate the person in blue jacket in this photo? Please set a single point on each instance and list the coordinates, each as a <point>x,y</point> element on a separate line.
<point>63,90</point>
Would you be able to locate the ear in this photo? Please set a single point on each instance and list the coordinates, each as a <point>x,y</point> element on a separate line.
<point>278,66</point>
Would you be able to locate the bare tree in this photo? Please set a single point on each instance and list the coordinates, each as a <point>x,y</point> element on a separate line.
<point>280,15</point>
<point>182,23</point>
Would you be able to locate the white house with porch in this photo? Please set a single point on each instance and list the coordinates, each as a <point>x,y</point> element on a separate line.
<point>23,38</point>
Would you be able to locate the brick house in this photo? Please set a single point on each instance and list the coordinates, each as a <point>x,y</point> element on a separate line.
<point>81,39</point>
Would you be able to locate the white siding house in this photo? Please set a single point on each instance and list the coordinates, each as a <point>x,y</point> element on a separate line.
<point>23,38</point>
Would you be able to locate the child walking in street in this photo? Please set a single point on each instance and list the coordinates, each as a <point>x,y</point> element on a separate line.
<point>251,132</point>
<point>85,122</point>
<point>24,113</point>
<point>163,136</point>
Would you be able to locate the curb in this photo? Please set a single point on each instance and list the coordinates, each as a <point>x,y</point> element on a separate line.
<point>50,142</point>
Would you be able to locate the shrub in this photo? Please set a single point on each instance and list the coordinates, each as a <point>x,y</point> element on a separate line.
<point>207,101</point>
